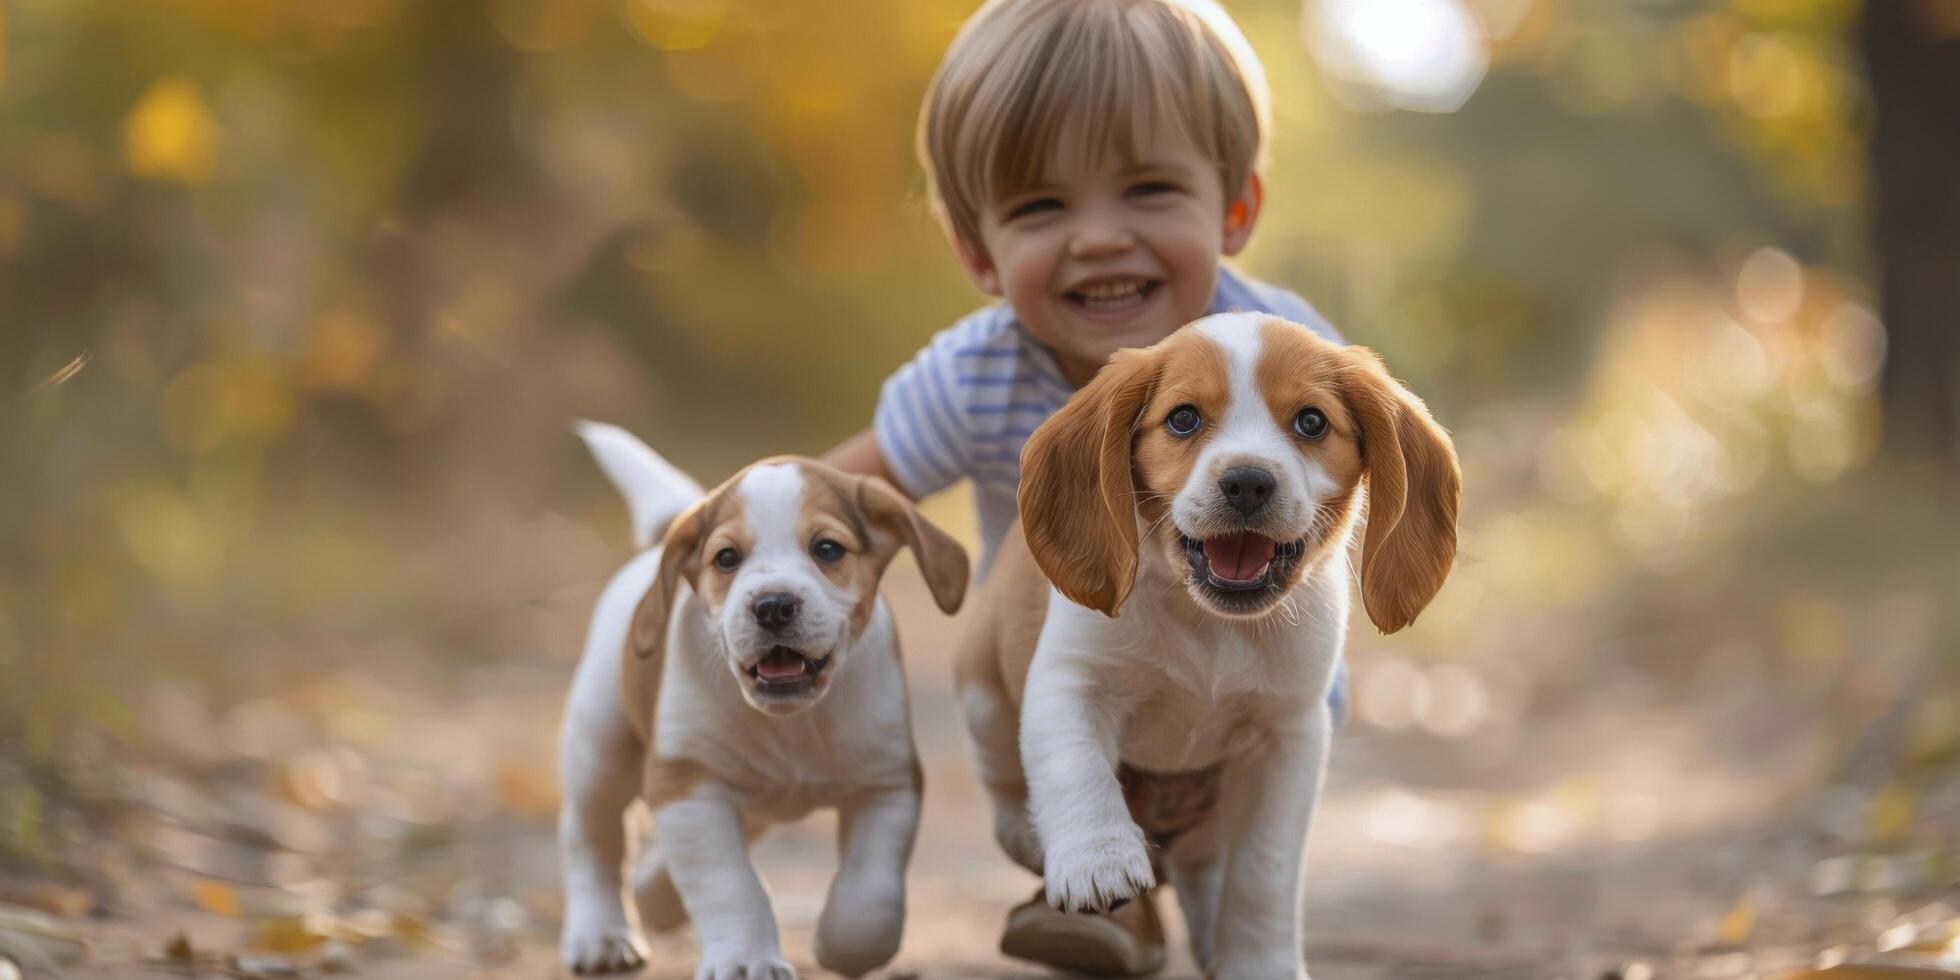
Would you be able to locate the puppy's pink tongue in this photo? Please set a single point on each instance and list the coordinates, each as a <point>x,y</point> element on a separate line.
<point>778,665</point>
<point>1239,557</point>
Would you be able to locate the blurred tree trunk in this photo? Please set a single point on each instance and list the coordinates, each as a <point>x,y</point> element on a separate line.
<point>1912,61</point>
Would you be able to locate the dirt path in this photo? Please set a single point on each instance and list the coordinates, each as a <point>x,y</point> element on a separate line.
<point>1618,833</point>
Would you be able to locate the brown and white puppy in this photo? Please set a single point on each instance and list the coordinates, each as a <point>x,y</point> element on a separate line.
<point>1175,611</point>
<point>743,673</point>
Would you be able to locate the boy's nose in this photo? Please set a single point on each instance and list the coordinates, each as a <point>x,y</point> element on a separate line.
<point>1096,237</point>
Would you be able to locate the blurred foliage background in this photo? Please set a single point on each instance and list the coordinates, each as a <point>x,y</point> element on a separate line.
<point>297,299</point>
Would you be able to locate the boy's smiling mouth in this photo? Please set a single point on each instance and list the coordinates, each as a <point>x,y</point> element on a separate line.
<point>1117,296</point>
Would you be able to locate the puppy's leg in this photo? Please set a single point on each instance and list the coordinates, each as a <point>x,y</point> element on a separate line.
<point>992,724</point>
<point>708,856</point>
<point>864,916</point>
<point>661,909</point>
<point>600,766</point>
<point>1269,800</point>
<point>1093,854</point>
<point>1196,868</point>
<point>653,891</point>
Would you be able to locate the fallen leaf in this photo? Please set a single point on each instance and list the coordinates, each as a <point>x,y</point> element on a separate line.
<point>1892,811</point>
<point>287,935</point>
<point>216,898</point>
<point>1737,924</point>
<point>179,950</point>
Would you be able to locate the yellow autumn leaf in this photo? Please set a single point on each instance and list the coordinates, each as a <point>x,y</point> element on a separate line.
<point>285,934</point>
<point>170,135</point>
<point>1892,811</point>
<point>215,898</point>
<point>1738,924</point>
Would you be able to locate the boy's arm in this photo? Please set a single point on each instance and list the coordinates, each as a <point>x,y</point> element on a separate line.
<point>860,454</point>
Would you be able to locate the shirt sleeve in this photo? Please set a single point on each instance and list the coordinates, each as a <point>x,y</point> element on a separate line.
<point>918,421</point>
<point>1290,305</point>
<point>1239,291</point>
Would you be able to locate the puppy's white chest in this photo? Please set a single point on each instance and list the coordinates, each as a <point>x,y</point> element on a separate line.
<point>1174,733</point>
<point>1198,708</point>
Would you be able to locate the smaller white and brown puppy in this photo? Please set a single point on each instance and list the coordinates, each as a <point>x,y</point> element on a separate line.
<point>1147,684</point>
<point>743,673</point>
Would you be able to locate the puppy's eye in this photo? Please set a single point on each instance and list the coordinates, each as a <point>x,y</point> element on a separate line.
<point>827,551</point>
<point>1183,420</point>
<point>1311,423</point>
<point>727,558</point>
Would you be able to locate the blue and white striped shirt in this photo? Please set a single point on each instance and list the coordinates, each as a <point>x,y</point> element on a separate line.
<point>965,405</point>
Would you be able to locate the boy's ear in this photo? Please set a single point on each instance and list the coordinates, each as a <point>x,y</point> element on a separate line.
<point>978,267</point>
<point>1241,214</point>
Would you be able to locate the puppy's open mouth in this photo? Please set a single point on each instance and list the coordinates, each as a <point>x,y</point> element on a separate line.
<point>784,670</point>
<point>1239,568</point>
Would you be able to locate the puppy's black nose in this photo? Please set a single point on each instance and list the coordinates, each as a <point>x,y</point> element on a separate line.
<point>775,611</point>
<point>1246,488</point>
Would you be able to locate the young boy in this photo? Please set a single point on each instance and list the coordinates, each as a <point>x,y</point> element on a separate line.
<point>1091,161</point>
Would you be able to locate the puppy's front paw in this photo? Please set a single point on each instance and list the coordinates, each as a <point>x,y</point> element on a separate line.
<point>1098,873</point>
<point>599,948</point>
<point>743,965</point>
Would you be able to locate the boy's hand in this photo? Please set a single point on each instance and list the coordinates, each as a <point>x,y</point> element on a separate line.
<point>860,454</point>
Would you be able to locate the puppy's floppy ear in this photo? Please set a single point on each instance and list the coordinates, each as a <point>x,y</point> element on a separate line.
<point>941,559</point>
<point>1078,501</point>
<point>1413,489</point>
<point>648,637</point>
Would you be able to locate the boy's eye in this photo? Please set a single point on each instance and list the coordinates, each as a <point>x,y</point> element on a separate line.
<point>1150,187</point>
<point>1035,206</point>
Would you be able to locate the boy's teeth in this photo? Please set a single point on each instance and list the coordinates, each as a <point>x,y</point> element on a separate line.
<point>1113,294</point>
<point>1111,290</point>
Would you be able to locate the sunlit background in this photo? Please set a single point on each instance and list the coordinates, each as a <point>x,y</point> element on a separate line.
<point>297,300</point>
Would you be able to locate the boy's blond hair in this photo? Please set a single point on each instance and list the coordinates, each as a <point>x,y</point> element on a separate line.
<point>1023,71</point>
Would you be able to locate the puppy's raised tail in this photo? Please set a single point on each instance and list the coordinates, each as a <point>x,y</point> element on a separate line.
<point>655,490</point>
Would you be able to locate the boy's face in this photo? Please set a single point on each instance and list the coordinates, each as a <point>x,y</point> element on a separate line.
<point>1112,252</point>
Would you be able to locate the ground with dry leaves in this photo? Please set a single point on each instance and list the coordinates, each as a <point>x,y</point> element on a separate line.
<point>396,822</point>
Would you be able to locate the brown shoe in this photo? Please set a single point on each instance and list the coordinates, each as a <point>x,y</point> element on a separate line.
<point>1128,942</point>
